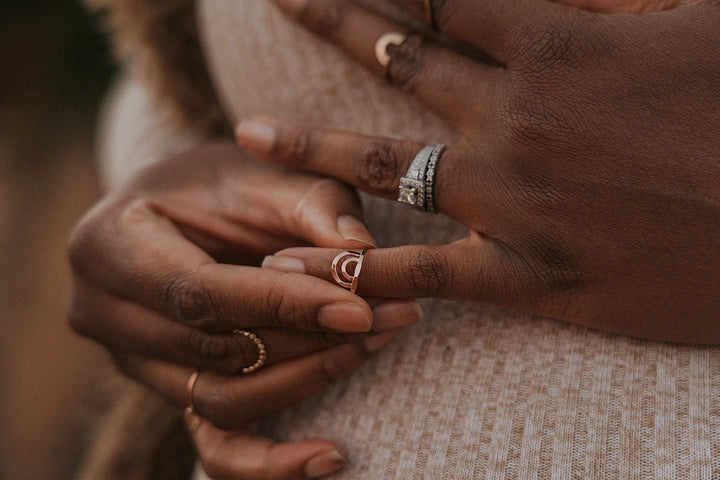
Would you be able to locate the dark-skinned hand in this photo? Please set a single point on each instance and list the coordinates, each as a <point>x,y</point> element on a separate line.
<point>588,173</point>
<point>167,267</point>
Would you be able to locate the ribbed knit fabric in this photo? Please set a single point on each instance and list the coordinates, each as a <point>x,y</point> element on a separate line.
<point>472,391</point>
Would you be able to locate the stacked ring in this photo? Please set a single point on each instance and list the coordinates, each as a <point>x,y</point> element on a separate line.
<point>417,187</point>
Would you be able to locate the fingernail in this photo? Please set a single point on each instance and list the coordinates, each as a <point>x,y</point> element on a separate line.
<point>353,229</point>
<point>293,7</point>
<point>392,314</point>
<point>284,264</point>
<point>344,317</point>
<point>378,342</point>
<point>255,137</point>
<point>324,464</point>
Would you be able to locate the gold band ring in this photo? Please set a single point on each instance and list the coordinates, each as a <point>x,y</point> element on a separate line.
<point>384,42</point>
<point>340,269</point>
<point>429,18</point>
<point>262,353</point>
<point>191,392</point>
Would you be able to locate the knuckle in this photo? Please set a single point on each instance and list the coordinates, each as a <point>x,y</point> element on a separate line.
<point>379,167</point>
<point>546,45</point>
<point>550,46</point>
<point>325,17</point>
<point>208,347</point>
<point>191,301</point>
<point>444,11</point>
<point>529,120</point>
<point>554,270</point>
<point>428,272</point>
<point>560,42</point>
<point>406,63</point>
<point>284,306</point>
<point>223,408</point>
<point>300,147</point>
<point>332,369</point>
<point>287,312</point>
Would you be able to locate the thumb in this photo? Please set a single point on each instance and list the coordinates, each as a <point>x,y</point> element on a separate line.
<point>241,454</point>
<point>328,214</point>
<point>475,268</point>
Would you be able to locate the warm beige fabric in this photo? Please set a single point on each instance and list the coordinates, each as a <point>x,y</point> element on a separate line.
<point>472,391</point>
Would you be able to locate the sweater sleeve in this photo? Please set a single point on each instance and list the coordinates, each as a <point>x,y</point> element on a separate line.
<point>136,129</point>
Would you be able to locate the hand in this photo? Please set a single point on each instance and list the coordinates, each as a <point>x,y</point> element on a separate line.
<point>149,286</point>
<point>587,172</point>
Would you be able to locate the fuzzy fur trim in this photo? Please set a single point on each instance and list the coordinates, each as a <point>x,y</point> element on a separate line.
<point>160,39</point>
<point>142,438</point>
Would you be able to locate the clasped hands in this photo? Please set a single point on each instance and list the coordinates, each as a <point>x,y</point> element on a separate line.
<point>587,175</point>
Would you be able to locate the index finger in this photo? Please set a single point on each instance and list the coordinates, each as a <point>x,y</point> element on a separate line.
<point>475,269</point>
<point>144,257</point>
<point>377,164</point>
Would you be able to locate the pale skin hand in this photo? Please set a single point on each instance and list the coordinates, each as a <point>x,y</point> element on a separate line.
<point>588,169</point>
<point>166,267</point>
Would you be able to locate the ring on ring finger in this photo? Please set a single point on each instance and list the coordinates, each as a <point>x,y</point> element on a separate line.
<point>384,43</point>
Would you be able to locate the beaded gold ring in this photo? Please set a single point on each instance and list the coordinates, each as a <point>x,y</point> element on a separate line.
<point>262,353</point>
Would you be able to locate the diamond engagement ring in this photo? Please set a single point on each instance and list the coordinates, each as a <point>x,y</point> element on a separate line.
<point>417,187</point>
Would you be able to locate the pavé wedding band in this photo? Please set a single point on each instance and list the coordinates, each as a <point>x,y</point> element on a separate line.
<point>417,187</point>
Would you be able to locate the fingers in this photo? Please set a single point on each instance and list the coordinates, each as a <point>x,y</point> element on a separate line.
<point>496,27</point>
<point>242,455</point>
<point>145,258</point>
<point>439,77</point>
<point>248,205</point>
<point>373,164</point>
<point>369,163</point>
<point>131,328</point>
<point>233,402</point>
<point>501,28</point>
<point>476,269</point>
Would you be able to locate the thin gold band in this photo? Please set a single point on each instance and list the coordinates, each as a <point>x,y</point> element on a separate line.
<point>429,18</point>
<point>191,392</point>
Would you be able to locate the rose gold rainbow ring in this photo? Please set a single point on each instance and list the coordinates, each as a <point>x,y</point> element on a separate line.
<point>342,272</point>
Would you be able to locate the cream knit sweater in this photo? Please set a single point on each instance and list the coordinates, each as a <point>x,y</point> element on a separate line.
<point>472,391</point>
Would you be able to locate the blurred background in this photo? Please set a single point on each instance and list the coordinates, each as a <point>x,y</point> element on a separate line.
<point>54,70</point>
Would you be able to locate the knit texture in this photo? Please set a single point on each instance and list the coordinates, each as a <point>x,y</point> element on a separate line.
<point>472,391</point>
